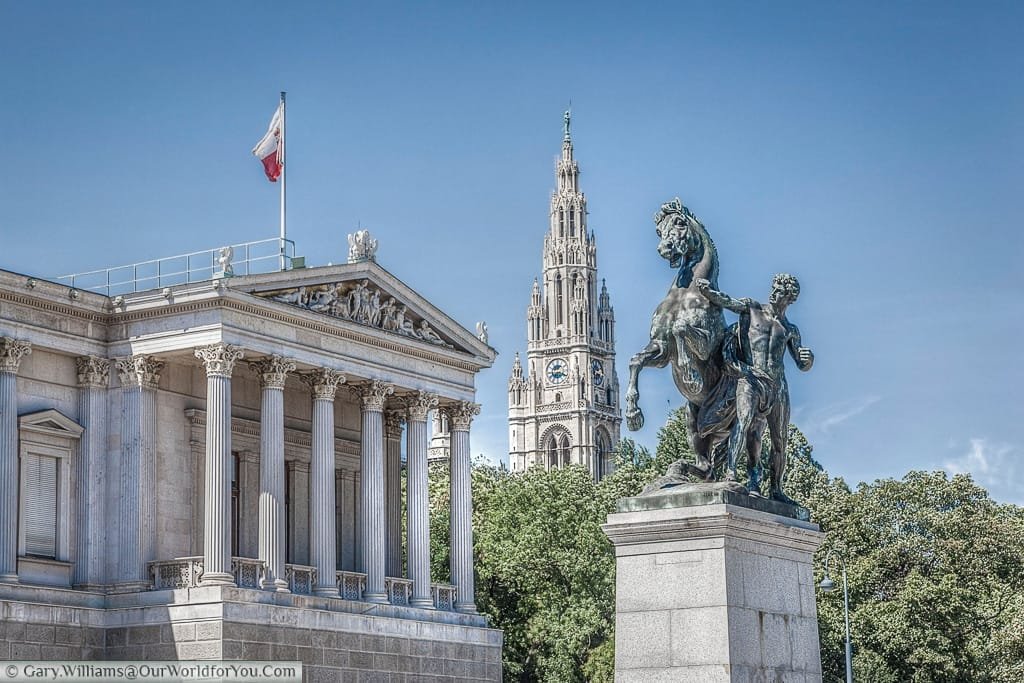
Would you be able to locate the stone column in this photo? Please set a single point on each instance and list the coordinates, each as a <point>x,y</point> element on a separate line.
<point>323,553</point>
<point>90,502</point>
<point>393,492</point>
<point>136,502</point>
<point>219,360</point>
<point>417,503</point>
<point>11,353</point>
<point>272,371</point>
<point>460,415</point>
<point>372,503</point>
<point>299,521</point>
<point>347,503</point>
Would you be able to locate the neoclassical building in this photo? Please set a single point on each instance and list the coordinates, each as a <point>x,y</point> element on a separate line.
<point>212,470</point>
<point>564,403</point>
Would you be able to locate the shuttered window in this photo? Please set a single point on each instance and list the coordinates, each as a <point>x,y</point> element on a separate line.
<point>40,506</point>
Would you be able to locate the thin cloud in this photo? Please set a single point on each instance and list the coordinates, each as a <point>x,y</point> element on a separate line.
<point>821,422</point>
<point>992,465</point>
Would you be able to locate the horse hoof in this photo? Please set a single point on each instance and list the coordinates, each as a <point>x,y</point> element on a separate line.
<point>635,421</point>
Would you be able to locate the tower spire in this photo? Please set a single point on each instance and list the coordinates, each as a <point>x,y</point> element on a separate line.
<point>563,397</point>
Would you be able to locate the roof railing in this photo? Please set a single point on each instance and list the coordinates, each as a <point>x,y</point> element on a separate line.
<point>262,256</point>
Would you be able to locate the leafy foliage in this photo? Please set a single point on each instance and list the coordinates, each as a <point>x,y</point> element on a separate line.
<point>934,566</point>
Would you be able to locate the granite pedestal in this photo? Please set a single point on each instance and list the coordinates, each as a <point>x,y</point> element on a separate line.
<point>713,585</point>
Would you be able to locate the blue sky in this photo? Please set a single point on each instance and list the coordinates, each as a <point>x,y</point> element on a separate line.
<point>876,151</point>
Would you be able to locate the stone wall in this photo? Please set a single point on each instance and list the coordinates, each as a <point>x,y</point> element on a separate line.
<point>37,631</point>
<point>398,645</point>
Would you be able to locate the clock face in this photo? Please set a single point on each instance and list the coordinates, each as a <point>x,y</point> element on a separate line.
<point>598,372</point>
<point>558,371</point>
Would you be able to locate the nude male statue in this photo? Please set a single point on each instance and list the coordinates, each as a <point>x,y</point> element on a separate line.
<point>756,355</point>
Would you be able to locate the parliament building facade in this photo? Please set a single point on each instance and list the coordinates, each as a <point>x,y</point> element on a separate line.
<point>211,470</point>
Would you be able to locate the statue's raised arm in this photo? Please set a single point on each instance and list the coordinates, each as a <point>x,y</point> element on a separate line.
<point>721,298</point>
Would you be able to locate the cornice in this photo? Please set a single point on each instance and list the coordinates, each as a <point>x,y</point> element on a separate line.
<point>54,307</point>
<point>441,356</point>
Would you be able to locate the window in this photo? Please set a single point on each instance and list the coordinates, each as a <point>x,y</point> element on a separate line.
<point>39,510</point>
<point>48,441</point>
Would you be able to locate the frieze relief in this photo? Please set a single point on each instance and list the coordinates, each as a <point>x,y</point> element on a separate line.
<point>359,303</point>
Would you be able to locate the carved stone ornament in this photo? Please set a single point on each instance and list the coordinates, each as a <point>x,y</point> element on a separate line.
<point>393,421</point>
<point>139,371</point>
<point>219,359</point>
<point>419,404</point>
<point>272,371</point>
<point>358,302</point>
<point>93,371</point>
<point>361,247</point>
<point>11,353</point>
<point>324,383</point>
<point>461,413</point>
<point>374,393</point>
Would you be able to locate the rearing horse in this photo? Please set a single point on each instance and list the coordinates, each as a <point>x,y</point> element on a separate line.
<point>686,329</point>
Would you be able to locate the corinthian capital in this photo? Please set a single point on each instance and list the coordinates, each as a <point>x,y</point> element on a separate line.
<point>324,383</point>
<point>272,371</point>
<point>419,404</point>
<point>374,393</point>
<point>93,371</point>
<point>11,353</point>
<point>461,414</point>
<point>393,420</point>
<point>139,371</point>
<point>219,359</point>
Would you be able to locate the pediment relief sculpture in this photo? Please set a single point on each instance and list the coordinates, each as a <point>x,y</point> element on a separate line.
<point>360,303</point>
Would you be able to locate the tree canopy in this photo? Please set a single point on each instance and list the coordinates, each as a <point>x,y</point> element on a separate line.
<point>934,566</point>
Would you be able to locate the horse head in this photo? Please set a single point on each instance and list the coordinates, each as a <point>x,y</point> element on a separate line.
<point>683,240</point>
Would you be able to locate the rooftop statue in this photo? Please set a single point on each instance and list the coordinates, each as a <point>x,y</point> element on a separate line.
<point>734,380</point>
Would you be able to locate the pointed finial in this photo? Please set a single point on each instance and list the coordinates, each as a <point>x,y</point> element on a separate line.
<point>568,119</point>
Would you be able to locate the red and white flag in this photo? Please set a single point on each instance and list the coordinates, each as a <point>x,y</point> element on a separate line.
<point>269,149</point>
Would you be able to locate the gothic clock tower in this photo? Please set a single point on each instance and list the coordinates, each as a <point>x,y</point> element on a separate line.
<point>564,401</point>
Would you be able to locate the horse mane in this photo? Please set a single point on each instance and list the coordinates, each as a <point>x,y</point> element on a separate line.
<point>686,271</point>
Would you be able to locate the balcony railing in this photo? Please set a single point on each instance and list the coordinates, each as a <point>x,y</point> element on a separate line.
<point>187,572</point>
<point>351,585</point>
<point>248,258</point>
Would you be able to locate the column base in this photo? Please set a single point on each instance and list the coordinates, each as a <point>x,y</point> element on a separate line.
<point>422,603</point>
<point>9,578</point>
<point>129,587</point>
<point>217,579</point>
<point>378,598</point>
<point>465,607</point>
<point>275,585</point>
<point>91,587</point>
<point>326,592</point>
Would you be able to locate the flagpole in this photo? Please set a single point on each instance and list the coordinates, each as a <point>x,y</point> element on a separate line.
<point>284,172</point>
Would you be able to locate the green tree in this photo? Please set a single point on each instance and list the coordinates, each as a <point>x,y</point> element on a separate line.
<point>934,568</point>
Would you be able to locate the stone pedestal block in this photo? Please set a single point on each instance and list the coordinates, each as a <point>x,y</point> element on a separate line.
<point>713,586</point>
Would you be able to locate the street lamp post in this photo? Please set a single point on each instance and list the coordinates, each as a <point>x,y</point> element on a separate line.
<point>827,586</point>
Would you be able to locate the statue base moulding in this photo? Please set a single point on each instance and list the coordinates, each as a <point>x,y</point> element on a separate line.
<point>713,586</point>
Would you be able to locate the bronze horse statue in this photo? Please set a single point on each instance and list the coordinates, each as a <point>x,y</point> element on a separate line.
<point>687,329</point>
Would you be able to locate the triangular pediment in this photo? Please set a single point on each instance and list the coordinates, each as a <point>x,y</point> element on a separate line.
<point>51,422</point>
<point>366,295</point>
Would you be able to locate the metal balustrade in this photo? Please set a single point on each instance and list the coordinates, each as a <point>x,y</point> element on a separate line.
<point>248,258</point>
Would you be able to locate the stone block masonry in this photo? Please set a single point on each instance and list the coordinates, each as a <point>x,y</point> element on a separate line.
<point>215,623</point>
<point>713,592</point>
